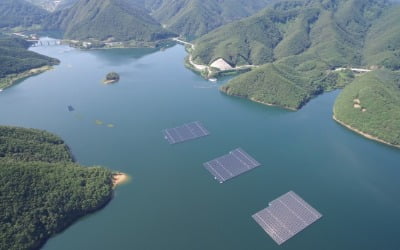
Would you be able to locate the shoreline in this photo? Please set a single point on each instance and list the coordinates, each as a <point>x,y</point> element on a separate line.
<point>260,102</point>
<point>102,45</point>
<point>110,81</point>
<point>11,79</point>
<point>119,179</point>
<point>366,135</point>
<point>272,105</point>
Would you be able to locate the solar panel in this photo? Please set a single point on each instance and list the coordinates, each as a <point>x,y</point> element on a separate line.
<point>286,216</point>
<point>188,131</point>
<point>231,165</point>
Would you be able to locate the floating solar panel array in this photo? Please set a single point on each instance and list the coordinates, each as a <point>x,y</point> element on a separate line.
<point>286,216</point>
<point>231,165</point>
<point>188,131</point>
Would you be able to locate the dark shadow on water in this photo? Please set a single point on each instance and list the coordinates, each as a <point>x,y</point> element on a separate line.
<point>117,57</point>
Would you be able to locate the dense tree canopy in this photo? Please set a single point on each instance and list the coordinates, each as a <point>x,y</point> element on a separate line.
<point>371,104</point>
<point>15,58</point>
<point>42,190</point>
<point>112,76</point>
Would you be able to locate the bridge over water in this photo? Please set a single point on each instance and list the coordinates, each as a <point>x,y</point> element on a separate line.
<point>39,43</point>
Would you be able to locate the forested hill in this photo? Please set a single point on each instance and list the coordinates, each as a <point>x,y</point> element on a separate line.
<point>193,18</point>
<point>142,19</point>
<point>42,191</point>
<point>124,20</point>
<point>15,58</point>
<point>112,20</point>
<point>382,43</point>
<point>299,43</point>
<point>371,105</point>
<point>15,13</point>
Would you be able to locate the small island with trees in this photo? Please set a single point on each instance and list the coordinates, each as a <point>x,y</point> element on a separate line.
<point>111,77</point>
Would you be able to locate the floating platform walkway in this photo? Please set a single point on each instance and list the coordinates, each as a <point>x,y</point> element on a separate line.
<point>186,132</point>
<point>286,216</point>
<point>231,165</point>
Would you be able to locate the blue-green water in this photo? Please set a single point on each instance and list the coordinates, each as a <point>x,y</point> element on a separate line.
<point>172,202</point>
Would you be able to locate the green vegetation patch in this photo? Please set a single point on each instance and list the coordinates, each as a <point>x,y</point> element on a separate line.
<point>371,104</point>
<point>111,77</point>
<point>19,13</point>
<point>383,41</point>
<point>32,145</point>
<point>16,61</point>
<point>42,191</point>
<point>281,85</point>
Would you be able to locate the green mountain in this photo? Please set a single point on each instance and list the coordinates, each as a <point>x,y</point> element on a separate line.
<point>42,190</point>
<point>17,62</point>
<point>382,44</point>
<point>193,18</point>
<point>123,20</point>
<point>111,20</point>
<point>298,44</point>
<point>371,104</point>
<point>19,13</point>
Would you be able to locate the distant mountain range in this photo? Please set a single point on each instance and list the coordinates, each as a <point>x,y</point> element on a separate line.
<point>107,20</point>
<point>121,20</point>
<point>193,18</point>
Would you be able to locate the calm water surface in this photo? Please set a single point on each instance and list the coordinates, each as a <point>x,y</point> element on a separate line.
<point>172,202</point>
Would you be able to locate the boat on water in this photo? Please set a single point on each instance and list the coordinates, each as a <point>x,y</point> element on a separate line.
<point>212,79</point>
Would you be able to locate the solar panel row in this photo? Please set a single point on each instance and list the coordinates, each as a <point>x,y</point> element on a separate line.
<point>286,216</point>
<point>188,131</point>
<point>231,165</point>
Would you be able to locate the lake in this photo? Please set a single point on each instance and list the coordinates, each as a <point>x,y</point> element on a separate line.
<point>172,202</point>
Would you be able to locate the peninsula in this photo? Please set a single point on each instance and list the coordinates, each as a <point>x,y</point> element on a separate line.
<point>370,106</point>
<point>43,190</point>
<point>16,62</point>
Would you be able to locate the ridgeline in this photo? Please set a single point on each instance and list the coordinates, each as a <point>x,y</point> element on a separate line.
<point>108,20</point>
<point>193,18</point>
